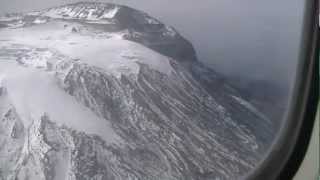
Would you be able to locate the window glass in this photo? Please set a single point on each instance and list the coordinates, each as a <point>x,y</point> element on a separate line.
<point>143,89</point>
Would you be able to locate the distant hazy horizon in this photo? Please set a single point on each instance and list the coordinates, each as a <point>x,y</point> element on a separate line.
<point>256,40</point>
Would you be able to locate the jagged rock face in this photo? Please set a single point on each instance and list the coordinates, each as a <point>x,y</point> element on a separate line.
<point>79,101</point>
<point>11,140</point>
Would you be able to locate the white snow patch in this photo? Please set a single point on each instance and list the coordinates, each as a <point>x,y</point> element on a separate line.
<point>17,24</point>
<point>81,13</point>
<point>37,59</point>
<point>34,92</point>
<point>111,13</point>
<point>170,31</point>
<point>150,20</point>
<point>115,55</point>
<point>90,15</point>
<point>39,21</point>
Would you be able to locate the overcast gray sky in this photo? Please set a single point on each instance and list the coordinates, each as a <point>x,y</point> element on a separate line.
<point>252,38</point>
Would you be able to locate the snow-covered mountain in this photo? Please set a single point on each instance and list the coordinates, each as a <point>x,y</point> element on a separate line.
<point>99,91</point>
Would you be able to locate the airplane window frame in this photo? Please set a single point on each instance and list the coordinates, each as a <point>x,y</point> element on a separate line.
<point>288,151</point>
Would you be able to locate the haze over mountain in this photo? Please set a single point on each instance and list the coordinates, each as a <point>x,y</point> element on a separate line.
<point>250,34</point>
<point>102,91</point>
<point>249,43</point>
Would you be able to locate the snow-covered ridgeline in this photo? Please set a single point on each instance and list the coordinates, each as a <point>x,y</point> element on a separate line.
<point>34,92</point>
<point>86,12</point>
<point>115,54</point>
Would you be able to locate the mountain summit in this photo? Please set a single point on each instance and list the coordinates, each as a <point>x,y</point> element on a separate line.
<point>97,91</point>
<point>140,26</point>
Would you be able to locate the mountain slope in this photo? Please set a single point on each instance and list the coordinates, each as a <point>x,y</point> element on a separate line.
<point>94,91</point>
